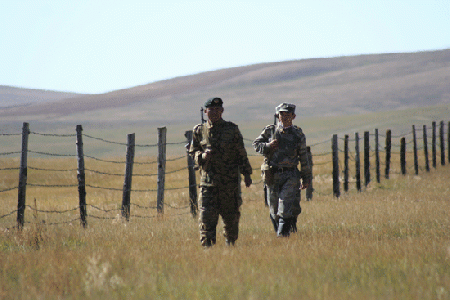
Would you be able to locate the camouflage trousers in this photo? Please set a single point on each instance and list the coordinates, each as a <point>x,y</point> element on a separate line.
<point>219,201</point>
<point>284,195</point>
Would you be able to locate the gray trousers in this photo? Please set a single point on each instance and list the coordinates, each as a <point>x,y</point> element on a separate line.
<point>284,195</point>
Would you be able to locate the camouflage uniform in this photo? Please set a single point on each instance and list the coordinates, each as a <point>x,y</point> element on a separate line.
<point>220,178</point>
<point>284,190</point>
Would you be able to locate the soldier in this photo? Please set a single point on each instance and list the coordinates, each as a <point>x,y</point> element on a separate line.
<point>218,149</point>
<point>284,146</point>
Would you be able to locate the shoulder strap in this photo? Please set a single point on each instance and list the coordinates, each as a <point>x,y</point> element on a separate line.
<point>275,131</point>
<point>205,135</point>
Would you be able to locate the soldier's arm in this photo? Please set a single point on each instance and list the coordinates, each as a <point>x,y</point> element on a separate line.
<point>261,143</point>
<point>246,168</point>
<point>195,149</point>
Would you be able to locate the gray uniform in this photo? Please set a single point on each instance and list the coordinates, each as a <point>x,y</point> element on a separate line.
<point>284,189</point>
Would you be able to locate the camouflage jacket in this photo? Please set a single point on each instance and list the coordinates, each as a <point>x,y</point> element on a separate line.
<point>291,148</point>
<point>227,149</point>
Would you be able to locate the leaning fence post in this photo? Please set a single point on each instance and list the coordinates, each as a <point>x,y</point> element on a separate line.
<point>403,155</point>
<point>23,177</point>
<point>128,177</point>
<point>346,163</point>
<point>442,142</point>
<point>334,147</point>
<point>377,156</point>
<point>425,148</point>
<point>388,153</point>
<point>416,158</point>
<point>192,179</point>
<point>161,169</point>
<point>357,163</point>
<point>433,144</point>
<point>81,176</point>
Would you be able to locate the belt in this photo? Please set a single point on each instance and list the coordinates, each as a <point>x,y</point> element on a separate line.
<point>283,169</point>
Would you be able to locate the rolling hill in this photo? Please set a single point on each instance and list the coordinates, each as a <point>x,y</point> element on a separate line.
<point>319,87</point>
<point>15,97</point>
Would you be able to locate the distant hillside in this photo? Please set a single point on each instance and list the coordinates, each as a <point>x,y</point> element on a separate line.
<point>13,96</point>
<point>319,87</point>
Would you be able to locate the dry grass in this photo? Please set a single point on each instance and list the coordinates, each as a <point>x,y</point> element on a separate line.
<point>392,241</point>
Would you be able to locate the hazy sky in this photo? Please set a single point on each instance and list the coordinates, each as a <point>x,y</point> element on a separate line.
<point>99,46</point>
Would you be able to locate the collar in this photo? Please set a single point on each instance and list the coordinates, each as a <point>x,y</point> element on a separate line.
<point>282,127</point>
<point>285,129</point>
<point>218,123</point>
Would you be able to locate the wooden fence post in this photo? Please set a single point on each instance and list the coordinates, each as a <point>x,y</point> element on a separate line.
<point>416,158</point>
<point>346,163</point>
<point>403,155</point>
<point>357,163</point>
<point>192,180</point>
<point>334,148</point>
<point>377,156</point>
<point>366,158</point>
<point>442,142</point>
<point>310,188</point>
<point>448,141</point>
<point>22,190</point>
<point>161,169</point>
<point>425,148</point>
<point>81,176</point>
<point>128,177</point>
<point>388,153</point>
<point>433,144</point>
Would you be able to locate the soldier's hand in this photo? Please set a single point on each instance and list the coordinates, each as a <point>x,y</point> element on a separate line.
<point>206,156</point>
<point>304,185</point>
<point>248,180</point>
<point>273,144</point>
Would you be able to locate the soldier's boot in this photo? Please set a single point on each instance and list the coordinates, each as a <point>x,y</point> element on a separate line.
<point>275,223</point>
<point>229,242</point>
<point>284,227</point>
<point>207,242</point>
<point>294,225</point>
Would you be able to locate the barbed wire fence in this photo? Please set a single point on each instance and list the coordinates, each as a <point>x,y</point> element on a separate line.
<point>405,146</point>
<point>337,159</point>
<point>119,212</point>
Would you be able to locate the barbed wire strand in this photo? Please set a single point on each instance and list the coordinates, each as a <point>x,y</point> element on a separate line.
<point>8,214</point>
<point>10,134</point>
<point>10,189</point>
<point>51,154</point>
<point>53,211</point>
<point>52,170</point>
<point>9,153</point>
<point>53,134</point>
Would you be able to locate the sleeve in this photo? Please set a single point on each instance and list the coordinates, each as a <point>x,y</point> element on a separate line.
<point>242,153</point>
<point>306,170</point>
<point>195,149</point>
<point>260,144</point>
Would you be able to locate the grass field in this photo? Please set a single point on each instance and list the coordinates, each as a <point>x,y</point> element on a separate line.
<point>391,241</point>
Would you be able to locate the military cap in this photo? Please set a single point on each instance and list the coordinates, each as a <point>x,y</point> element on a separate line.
<point>213,102</point>
<point>285,107</point>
